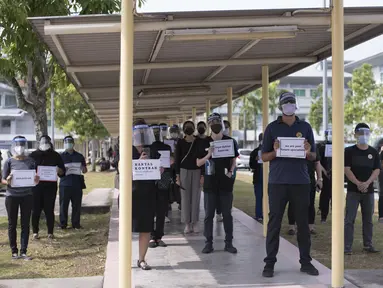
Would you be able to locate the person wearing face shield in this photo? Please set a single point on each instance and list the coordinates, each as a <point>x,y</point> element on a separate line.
<point>201,129</point>
<point>218,183</point>
<point>18,197</point>
<point>44,194</point>
<point>326,191</point>
<point>162,191</point>
<point>188,178</point>
<point>289,181</point>
<point>362,168</point>
<point>71,184</point>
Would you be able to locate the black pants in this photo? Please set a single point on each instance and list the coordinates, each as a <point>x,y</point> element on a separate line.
<point>219,211</point>
<point>324,198</point>
<point>12,205</point>
<point>73,195</point>
<point>381,194</point>
<point>210,203</point>
<point>44,198</point>
<point>311,212</point>
<point>162,201</point>
<point>299,196</point>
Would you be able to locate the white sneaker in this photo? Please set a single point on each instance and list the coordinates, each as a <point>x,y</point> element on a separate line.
<point>219,217</point>
<point>188,229</point>
<point>36,236</point>
<point>195,227</point>
<point>167,220</point>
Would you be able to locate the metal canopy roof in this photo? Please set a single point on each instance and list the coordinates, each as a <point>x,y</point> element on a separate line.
<point>173,75</point>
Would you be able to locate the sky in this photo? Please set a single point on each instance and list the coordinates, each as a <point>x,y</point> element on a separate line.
<point>359,52</point>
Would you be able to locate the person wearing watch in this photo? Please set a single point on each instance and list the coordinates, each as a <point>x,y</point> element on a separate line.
<point>218,183</point>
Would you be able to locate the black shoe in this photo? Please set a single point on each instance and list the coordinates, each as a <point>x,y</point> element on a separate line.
<point>77,227</point>
<point>15,256</point>
<point>143,265</point>
<point>208,248</point>
<point>268,271</point>
<point>161,243</point>
<point>291,232</point>
<point>370,249</point>
<point>153,244</point>
<point>349,253</point>
<point>63,227</point>
<point>309,269</point>
<point>230,248</point>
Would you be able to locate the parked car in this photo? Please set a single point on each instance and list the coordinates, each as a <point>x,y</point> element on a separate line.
<point>243,160</point>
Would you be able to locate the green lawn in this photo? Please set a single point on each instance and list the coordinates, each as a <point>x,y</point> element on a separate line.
<point>71,254</point>
<point>321,243</point>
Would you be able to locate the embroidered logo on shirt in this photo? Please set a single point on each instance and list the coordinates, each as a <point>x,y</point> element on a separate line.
<point>299,135</point>
<point>369,156</point>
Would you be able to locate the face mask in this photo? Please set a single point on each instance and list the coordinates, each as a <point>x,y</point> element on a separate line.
<point>44,147</point>
<point>19,150</point>
<point>216,128</point>
<point>363,139</point>
<point>68,146</point>
<point>226,132</point>
<point>289,109</point>
<point>174,135</point>
<point>189,131</point>
<point>201,130</point>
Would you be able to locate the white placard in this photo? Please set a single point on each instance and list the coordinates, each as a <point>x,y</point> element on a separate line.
<point>170,142</point>
<point>47,173</point>
<point>73,168</point>
<point>291,147</point>
<point>223,149</point>
<point>146,169</point>
<point>23,178</point>
<point>260,156</point>
<point>328,150</point>
<point>165,158</point>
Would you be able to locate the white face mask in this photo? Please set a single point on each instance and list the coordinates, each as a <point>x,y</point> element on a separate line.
<point>19,150</point>
<point>68,146</point>
<point>289,109</point>
<point>44,147</point>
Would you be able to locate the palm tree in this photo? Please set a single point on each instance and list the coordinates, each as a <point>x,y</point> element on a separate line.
<point>274,93</point>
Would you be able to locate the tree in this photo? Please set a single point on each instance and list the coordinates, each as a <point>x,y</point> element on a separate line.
<point>274,93</point>
<point>316,109</point>
<point>25,62</point>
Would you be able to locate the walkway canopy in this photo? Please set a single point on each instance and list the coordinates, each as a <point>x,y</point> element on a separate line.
<point>181,59</point>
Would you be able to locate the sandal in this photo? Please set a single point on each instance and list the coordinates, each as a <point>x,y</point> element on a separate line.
<point>143,265</point>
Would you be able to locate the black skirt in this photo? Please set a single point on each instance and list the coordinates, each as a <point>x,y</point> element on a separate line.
<point>143,206</point>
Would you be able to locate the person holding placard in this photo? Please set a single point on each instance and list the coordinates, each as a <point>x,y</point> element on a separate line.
<point>175,191</point>
<point>188,178</point>
<point>289,180</point>
<point>326,162</point>
<point>71,184</point>
<point>257,166</point>
<point>216,155</point>
<point>49,166</point>
<point>163,186</point>
<point>19,174</point>
<point>362,167</point>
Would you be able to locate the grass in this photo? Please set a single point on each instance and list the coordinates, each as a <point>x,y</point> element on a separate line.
<point>98,180</point>
<point>321,243</point>
<point>71,254</point>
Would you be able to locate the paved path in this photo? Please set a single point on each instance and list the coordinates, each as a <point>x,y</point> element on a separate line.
<point>86,282</point>
<point>182,264</point>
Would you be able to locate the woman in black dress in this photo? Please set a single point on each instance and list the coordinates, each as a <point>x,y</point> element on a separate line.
<point>143,192</point>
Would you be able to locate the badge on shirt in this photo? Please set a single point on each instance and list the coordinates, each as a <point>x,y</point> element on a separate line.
<point>299,134</point>
<point>369,156</point>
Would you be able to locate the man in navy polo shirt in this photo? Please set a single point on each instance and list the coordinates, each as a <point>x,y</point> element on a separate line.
<point>289,181</point>
<point>71,184</point>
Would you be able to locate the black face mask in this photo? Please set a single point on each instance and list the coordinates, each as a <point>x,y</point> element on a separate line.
<point>189,131</point>
<point>216,128</point>
<point>201,130</point>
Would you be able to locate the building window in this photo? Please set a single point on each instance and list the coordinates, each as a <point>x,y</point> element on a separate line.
<point>300,92</point>
<point>314,93</point>
<point>10,101</point>
<point>5,123</point>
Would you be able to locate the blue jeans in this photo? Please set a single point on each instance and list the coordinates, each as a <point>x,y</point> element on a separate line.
<point>258,192</point>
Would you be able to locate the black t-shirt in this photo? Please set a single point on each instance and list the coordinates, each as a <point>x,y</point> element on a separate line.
<point>362,164</point>
<point>311,168</point>
<point>219,182</point>
<point>188,150</point>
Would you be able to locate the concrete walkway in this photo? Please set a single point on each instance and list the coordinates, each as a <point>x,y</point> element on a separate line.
<point>182,264</point>
<point>86,282</point>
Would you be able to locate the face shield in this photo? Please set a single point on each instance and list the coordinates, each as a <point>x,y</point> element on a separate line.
<point>19,146</point>
<point>328,135</point>
<point>362,135</point>
<point>45,144</point>
<point>157,133</point>
<point>288,104</point>
<point>164,131</point>
<point>68,143</point>
<point>142,135</point>
<point>216,123</point>
<point>174,132</point>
